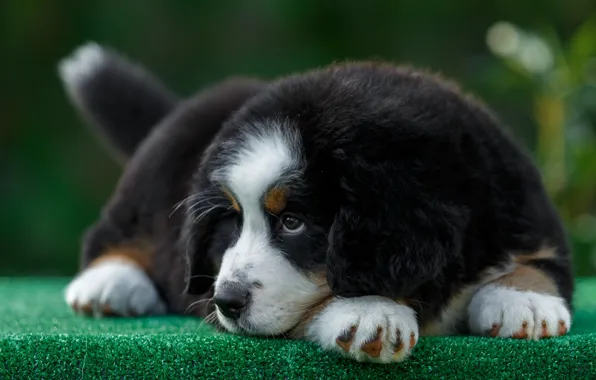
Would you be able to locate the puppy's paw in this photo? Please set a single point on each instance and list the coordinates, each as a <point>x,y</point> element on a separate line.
<point>114,288</point>
<point>371,328</point>
<point>505,312</point>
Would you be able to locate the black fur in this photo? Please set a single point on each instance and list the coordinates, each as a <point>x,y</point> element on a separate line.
<point>410,190</point>
<point>418,186</point>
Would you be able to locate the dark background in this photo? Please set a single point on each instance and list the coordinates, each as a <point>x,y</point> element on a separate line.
<point>533,61</point>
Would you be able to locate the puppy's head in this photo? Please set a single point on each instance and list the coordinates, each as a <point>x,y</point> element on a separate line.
<point>343,181</point>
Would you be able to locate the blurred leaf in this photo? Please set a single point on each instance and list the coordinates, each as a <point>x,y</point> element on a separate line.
<point>581,48</point>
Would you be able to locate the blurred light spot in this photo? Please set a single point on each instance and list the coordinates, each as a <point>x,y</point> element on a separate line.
<point>535,55</point>
<point>508,41</point>
<point>503,39</point>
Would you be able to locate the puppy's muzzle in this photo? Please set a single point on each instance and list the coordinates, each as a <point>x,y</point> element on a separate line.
<point>232,298</point>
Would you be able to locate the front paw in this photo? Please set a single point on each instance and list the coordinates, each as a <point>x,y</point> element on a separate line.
<point>371,328</point>
<point>113,288</point>
<point>504,312</point>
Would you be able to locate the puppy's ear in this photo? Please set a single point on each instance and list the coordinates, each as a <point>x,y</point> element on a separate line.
<point>391,234</point>
<point>196,241</point>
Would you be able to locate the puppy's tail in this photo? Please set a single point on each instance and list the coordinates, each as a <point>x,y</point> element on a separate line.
<point>121,100</point>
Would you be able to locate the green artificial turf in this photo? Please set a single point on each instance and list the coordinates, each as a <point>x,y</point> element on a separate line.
<point>40,338</point>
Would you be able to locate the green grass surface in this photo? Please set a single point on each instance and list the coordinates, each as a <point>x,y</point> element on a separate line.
<point>40,338</point>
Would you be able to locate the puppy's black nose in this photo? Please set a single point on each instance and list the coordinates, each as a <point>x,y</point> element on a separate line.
<point>231,299</point>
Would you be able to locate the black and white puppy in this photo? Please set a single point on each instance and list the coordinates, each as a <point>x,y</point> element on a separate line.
<point>359,206</point>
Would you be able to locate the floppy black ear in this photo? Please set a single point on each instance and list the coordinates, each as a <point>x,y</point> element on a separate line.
<point>391,234</point>
<point>209,228</point>
<point>196,241</point>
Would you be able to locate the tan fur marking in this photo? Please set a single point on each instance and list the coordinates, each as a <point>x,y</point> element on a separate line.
<point>495,330</point>
<point>517,275</point>
<point>86,309</point>
<point>276,199</point>
<point>562,328</point>
<point>526,278</point>
<point>232,199</point>
<point>456,308</point>
<point>454,311</point>
<point>132,253</point>
<point>543,254</point>
<point>299,330</point>
<point>412,340</point>
<point>320,279</point>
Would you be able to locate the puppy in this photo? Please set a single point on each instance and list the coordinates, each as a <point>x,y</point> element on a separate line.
<point>358,206</point>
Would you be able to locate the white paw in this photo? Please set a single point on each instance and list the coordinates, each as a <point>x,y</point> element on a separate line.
<point>505,312</point>
<point>81,64</point>
<point>114,288</point>
<point>370,328</point>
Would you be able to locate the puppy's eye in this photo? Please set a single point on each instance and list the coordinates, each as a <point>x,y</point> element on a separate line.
<point>290,224</point>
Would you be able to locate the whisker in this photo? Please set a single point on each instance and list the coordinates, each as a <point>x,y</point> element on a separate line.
<point>202,276</point>
<point>179,204</point>
<point>196,303</point>
<point>204,213</point>
<point>204,200</point>
<point>184,201</point>
<point>203,197</point>
<point>210,318</point>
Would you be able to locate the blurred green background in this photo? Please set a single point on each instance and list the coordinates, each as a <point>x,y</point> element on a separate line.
<point>532,61</point>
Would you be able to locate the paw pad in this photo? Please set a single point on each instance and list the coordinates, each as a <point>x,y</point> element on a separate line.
<point>545,333</point>
<point>345,340</point>
<point>412,340</point>
<point>374,345</point>
<point>87,310</point>
<point>524,332</point>
<point>562,328</point>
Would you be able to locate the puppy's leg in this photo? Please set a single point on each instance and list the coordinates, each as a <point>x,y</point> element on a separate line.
<point>115,282</point>
<point>370,328</point>
<point>524,304</point>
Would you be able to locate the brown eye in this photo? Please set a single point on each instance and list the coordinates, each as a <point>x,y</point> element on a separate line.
<point>291,224</point>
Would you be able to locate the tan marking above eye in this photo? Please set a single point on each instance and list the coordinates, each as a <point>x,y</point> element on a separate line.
<point>276,199</point>
<point>231,198</point>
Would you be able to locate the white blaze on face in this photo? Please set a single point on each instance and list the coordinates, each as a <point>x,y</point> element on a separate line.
<point>279,291</point>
